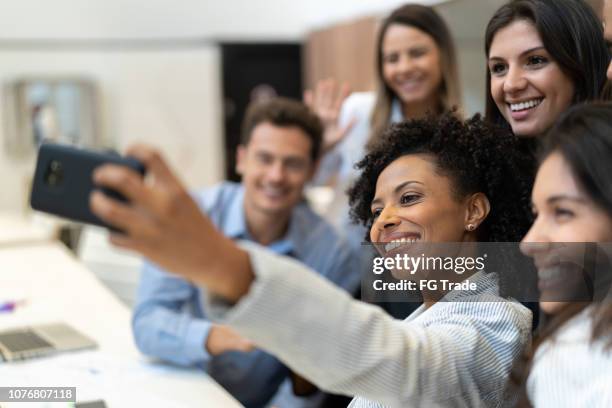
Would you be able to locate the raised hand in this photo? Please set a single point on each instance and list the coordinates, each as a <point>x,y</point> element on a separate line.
<point>326,101</point>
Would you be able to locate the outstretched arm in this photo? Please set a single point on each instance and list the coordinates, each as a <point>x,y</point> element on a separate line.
<point>459,357</point>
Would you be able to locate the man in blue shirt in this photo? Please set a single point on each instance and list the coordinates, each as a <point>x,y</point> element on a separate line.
<point>280,145</point>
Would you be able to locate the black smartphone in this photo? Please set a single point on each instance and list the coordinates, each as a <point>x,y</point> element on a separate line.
<point>63,180</point>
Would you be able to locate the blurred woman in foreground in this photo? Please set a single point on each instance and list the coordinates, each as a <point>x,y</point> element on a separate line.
<point>571,243</point>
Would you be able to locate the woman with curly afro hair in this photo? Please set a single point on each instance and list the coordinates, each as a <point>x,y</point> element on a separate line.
<point>473,157</point>
<point>437,180</point>
<point>444,180</point>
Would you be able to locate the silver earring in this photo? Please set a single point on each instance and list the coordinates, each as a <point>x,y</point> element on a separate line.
<point>471,227</point>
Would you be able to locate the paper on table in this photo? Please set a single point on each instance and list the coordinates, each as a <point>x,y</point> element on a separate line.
<point>120,382</point>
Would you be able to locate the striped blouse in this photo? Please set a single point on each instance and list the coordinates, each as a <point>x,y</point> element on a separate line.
<point>457,353</point>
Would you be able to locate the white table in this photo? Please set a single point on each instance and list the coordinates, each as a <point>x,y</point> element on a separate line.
<point>57,287</point>
<point>17,230</point>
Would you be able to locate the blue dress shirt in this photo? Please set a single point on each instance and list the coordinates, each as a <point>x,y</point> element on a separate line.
<point>171,323</point>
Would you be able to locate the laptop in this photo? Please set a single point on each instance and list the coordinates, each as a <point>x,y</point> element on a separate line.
<point>41,340</point>
<point>91,404</point>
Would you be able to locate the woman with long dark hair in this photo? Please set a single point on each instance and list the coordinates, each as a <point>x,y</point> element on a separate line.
<point>572,199</point>
<point>543,56</point>
<point>416,75</point>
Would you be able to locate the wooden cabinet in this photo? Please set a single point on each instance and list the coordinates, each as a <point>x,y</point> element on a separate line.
<point>345,52</point>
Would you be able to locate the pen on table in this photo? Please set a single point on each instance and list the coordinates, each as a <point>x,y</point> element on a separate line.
<point>10,306</point>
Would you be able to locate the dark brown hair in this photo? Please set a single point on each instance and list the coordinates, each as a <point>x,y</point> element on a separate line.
<point>571,33</point>
<point>284,112</point>
<point>427,20</point>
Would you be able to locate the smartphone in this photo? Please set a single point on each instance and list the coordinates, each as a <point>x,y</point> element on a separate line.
<point>63,180</point>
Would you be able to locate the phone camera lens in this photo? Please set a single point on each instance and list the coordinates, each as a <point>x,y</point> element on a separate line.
<point>54,174</point>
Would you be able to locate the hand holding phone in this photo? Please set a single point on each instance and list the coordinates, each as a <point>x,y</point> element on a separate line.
<point>165,224</point>
<point>63,180</point>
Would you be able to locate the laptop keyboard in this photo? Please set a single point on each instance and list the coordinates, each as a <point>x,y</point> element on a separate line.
<point>23,341</point>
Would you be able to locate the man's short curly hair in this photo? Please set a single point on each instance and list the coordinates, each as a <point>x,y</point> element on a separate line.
<point>475,155</point>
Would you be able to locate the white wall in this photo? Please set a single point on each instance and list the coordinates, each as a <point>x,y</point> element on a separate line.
<point>467,20</point>
<point>166,95</point>
<point>167,98</point>
<point>244,19</point>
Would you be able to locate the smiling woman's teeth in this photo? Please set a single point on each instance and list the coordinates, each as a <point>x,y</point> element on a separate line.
<point>396,243</point>
<point>515,107</point>
<point>550,273</point>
